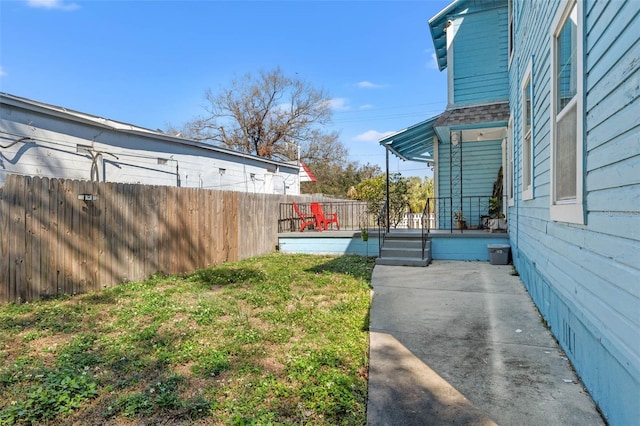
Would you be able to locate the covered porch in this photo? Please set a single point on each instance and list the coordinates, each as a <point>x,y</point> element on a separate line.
<point>466,148</point>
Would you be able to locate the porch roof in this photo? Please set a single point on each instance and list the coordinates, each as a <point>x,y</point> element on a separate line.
<point>414,143</point>
<point>489,113</point>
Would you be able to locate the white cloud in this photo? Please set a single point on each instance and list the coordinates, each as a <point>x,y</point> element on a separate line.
<point>432,64</point>
<point>371,136</point>
<point>283,107</point>
<point>52,4</point>
<point>365,106</point>
<point>339,104</point>
<point>369,85</point>
<point>2,71</point>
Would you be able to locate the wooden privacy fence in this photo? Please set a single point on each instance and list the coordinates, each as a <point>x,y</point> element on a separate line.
<point>67,237</point>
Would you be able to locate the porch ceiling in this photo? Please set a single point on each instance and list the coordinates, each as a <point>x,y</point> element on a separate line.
<point>414,143</point>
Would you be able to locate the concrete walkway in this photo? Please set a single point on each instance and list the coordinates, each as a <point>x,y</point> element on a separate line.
<point>461,343</point>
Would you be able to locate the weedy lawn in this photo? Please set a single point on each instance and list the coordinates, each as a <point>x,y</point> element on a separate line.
<point>277,339</point>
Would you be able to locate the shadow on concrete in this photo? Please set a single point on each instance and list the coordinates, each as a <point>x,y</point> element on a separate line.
<point>418,394</point>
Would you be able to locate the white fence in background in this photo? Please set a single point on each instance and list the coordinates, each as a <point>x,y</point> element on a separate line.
<point>412,221</point>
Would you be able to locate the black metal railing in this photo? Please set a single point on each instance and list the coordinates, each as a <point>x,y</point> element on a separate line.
<point>424,226</point>
<point>352,215</point>
<point>463,213</point>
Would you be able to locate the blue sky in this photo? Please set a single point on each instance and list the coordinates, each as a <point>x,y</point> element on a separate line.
<point>149,63</point>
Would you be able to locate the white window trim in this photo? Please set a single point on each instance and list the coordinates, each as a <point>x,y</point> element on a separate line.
<point>527,192</point>
<point>450,30</point>
<point>510,181</point>
<point>571,211</point>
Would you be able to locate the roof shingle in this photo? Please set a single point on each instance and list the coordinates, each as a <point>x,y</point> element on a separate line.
<point>475,114</point>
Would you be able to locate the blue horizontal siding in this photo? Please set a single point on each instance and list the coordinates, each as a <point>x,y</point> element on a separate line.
<point>480,58</point>
<point>594,356</point>
<point>480,164</point>
<point>456,247</point>
<point>330,245</point>
<point>464,248</point>
<point>585,279</point>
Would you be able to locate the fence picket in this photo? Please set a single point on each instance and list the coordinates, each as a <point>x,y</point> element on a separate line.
<point>18,284</point>
<point>71,260</point>
<point>4,245</point>
<point>61,237</point>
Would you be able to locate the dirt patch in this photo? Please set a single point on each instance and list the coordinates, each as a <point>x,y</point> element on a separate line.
<point>271,365</point>
<point>46,346</point>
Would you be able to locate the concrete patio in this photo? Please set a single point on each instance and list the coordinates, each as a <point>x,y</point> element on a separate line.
<point>461,343</point>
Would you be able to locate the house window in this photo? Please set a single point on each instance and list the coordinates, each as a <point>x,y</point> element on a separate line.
<point>567,115</point>
<point>509,168</point>
<point>527,136</point>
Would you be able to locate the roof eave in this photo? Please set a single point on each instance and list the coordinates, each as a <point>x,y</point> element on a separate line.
<point>409,146</point>
<point>438,36</point>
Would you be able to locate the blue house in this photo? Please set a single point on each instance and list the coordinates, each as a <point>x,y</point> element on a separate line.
<point>574,215</point>
<point>466,142</point>
<point>548,92</point>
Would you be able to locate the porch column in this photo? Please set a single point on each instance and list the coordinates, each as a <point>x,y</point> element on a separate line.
<point>387,185</point>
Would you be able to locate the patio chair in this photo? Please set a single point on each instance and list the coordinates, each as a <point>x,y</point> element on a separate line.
<point>323,220</point>
<point>305,219</point>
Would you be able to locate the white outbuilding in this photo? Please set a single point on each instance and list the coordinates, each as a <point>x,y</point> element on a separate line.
<point>39,139</point>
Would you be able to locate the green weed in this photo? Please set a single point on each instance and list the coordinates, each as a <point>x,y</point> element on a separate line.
<point>276,339</point>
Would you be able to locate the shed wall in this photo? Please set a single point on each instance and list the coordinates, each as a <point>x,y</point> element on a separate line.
<point>53,152</point>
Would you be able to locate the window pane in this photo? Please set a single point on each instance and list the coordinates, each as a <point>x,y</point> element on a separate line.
<point>510,9</point>
<point>567,71</point>
<point>526,146</point>
<point>526,166</point>
<point>527,107</point>
<point>565,158</point>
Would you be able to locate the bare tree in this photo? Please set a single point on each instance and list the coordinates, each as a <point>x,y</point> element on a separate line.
<point>269,115</point>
